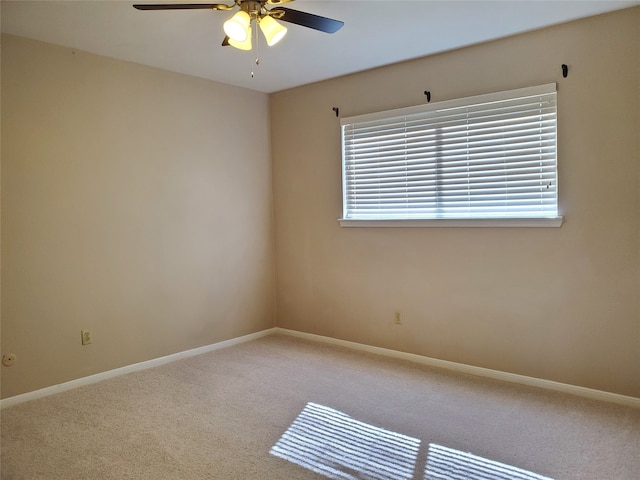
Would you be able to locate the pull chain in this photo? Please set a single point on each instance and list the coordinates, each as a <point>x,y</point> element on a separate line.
<point>257,60</point>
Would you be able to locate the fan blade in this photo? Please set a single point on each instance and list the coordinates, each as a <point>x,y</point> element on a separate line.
<point>183,6</point>
<point>278,2</point>
<point>324,24</point>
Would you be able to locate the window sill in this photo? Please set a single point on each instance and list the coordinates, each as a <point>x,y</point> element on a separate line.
<point>462,222</point>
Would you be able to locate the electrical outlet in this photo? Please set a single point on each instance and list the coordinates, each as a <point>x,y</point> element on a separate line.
<point>397,317</point>
<point>86,337</point>
<point>8,359</point>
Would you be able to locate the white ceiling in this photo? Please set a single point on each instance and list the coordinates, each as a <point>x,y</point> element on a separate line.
<point>375,33</point>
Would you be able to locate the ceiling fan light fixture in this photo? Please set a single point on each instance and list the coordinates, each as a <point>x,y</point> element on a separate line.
<point>245,45</point>
<point>273,31</point>
<point>238,27</point>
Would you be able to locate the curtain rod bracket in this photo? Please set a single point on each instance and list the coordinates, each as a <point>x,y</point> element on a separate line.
<point>428,95</point>
<point>337,110</point>
<point>565,70</point>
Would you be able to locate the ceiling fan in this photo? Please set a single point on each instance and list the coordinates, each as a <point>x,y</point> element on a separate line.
<point>238,28</point>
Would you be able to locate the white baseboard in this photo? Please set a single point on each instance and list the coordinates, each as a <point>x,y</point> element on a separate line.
<point>136,367</point>
<point>479,371</point>
<point>434,362</point>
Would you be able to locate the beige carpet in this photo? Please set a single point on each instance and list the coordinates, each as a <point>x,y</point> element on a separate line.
<point>284,408</point>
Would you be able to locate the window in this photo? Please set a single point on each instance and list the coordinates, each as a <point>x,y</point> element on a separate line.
<point>478,161</point>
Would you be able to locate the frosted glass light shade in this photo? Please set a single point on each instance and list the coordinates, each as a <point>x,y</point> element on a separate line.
<point>237,27</point>
<point>272,30</point>
<point>246,45</point>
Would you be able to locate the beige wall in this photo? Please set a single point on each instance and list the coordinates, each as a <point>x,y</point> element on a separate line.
<point>553,303</point>
<point>132,206</point>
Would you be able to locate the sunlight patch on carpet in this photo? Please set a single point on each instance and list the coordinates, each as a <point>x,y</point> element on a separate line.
<point>333,444</point>
<point>447,463</point>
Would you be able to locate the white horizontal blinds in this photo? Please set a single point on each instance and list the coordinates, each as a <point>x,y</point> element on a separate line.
<point>484,157</point>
